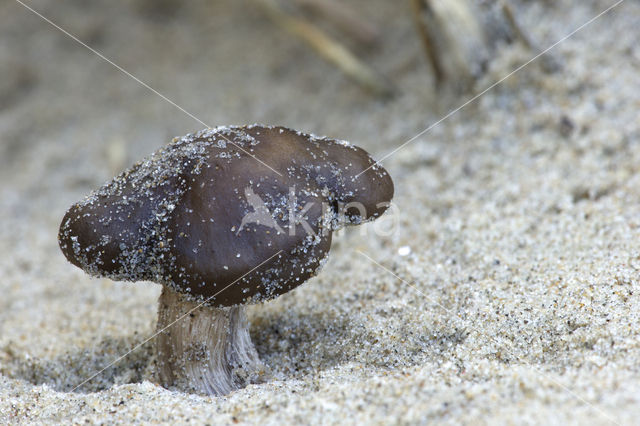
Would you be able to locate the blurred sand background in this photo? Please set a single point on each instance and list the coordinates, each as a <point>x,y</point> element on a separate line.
<point>521,213</point>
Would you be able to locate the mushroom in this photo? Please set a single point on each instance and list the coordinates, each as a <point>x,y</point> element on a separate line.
<point>222,218</point>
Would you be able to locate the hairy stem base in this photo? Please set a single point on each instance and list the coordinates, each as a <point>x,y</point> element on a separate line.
<point>208,351</point>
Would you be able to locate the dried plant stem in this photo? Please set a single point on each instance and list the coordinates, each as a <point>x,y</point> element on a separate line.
<point>454,38</point>
<point>429,49</point>
<point>329,49</point>
<point>461,37</point>
<point>345,19</point>
<point>515,27</point>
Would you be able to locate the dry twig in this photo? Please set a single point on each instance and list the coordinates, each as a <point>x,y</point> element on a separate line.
<point>345,19</point>
<point>329,49</point>
<point>460,37</point>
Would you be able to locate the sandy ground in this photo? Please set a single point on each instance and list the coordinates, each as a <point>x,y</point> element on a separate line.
<point>514,298</point>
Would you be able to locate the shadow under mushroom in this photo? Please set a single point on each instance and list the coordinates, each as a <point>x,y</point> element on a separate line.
<point>65,372</point>
<point>293,342</point>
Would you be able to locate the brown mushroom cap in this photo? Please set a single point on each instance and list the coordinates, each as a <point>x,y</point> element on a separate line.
<point>176,218</point>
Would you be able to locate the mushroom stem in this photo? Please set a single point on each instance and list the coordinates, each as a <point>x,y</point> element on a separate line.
<point>204,349</point>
